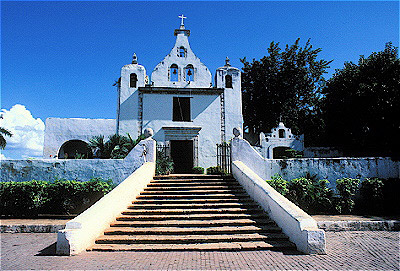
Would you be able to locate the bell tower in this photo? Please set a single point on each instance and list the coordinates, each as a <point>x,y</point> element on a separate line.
<point>181,68</point>
<point>133,76</point>
<point>229,78</point>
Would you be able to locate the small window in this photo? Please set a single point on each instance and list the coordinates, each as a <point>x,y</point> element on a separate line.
<point>173,73</point>
<point>189,73</point>
<point>133,81</point>
<point>182,51</point>
<point>281,133</point>
<point>228,81</point>
<point>181,109</point>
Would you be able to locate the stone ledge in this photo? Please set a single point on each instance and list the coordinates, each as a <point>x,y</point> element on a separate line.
<point>31,228</point>
<point>385,225</point>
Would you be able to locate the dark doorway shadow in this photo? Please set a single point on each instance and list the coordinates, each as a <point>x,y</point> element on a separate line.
<point>48,251</point>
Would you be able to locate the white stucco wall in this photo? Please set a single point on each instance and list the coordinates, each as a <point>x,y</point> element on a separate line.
<point>60,130</point>
<point>330,169</point>
<point>232,97</point>
<point>77,169</point>
<point>202,76</point>
<point>205,114</point>
<point>301,228</point>
<point>272,140</point>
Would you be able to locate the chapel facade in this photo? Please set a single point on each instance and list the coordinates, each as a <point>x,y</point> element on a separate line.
<point>188,112</point>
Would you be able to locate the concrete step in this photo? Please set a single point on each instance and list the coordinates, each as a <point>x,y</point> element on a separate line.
<point>221,246</point>
<point>192,201</point>
<point>192,206</point>
<point>189,196</point>
<point>193,211</point>
<point>192,177</point>
<point>190,188</point>
<point>192,230</point>
<point>183,184</point>
<point>194,223</point>
<point>188,239</point>
<point>192,192</point>
<point>201,216</point>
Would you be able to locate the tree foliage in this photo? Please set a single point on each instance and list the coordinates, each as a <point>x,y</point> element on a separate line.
<point>4,132</point>
<point>116,147</point>
<point>362,105</point>
<point>284,84</point>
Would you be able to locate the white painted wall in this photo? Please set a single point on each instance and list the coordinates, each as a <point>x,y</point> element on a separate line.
<point>301,228</point>
<point>330,169</point>
<point>77,169</point>
<point>206,112</point>
<point>232,97</point>
<point>202,76</point>
<point>81,232</point>
<point>272,140</point>
<point>60,130</point>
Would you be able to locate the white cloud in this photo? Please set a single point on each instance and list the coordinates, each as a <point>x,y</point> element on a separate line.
<point>28,133</point>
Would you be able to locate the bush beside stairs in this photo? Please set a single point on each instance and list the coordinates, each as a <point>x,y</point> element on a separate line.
<point>193,212</point>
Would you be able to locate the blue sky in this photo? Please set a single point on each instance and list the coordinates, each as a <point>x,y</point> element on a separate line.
<point>60,59</point>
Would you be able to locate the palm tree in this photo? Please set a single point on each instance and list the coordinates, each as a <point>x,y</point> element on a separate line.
<point>116,147</point>
<point>4,132</point>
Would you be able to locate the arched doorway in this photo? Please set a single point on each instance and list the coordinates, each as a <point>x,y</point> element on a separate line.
<point>280,153</point>
<point>74,149</point>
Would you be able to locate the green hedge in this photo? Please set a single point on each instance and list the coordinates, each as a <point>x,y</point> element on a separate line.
<point>28,199</point>
<point>216,171</point>
<point>372,196</point>
<point>198,170</point>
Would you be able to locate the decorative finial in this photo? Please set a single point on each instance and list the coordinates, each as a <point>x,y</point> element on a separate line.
<point>134,59</point>
<point>227,63</point>
<point>182,23</point>
<point>237,132</point>
<point>148,132</point>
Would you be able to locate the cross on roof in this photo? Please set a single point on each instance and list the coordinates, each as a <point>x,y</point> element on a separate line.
<point>182,18</point>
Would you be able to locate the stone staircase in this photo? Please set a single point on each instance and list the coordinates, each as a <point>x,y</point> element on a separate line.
<point>193,212</point>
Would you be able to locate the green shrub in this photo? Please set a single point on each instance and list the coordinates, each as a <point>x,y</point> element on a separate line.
<point>371,197</point>
<point>391,190</point>
<point>313,196</point>
<point>164,164</point>
<point>28,199</point>
<point>216,171</point>
<point>23,197</point>
<point>346,189</point>
<point>279,184</point>
<point>198,170</point>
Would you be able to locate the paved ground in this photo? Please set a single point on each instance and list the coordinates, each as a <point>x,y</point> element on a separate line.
<point>367,250</point>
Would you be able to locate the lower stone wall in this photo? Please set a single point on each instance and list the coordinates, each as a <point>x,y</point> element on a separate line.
<point>334,168</point>
<point>79,169</point>
<point>70,169</point>
<point>330,169</point>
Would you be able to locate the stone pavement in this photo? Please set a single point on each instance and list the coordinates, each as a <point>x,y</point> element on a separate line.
<point>347,250</point>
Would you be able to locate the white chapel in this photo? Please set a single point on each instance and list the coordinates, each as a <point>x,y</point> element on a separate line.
<point>186,110</point>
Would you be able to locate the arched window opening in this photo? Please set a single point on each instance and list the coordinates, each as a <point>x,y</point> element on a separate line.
<point>182,51</point>
<point>133,81</point>
<point>189,72</point>
<point>74,149</point>
<point>173,73</point>
<point>281,133</point>
<point>228,81</point>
